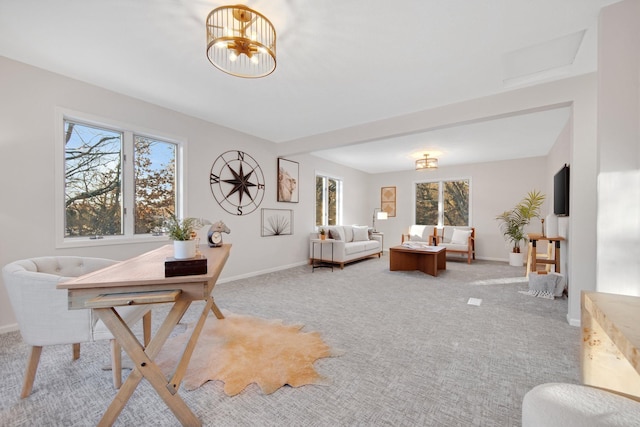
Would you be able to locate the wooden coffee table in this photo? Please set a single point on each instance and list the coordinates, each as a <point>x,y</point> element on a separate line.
<point>428,259</point>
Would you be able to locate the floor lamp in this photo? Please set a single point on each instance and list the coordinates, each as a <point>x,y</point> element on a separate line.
<point>382,215</point>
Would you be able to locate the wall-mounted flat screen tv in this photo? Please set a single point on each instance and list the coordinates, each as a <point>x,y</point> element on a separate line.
<point>561,192</point>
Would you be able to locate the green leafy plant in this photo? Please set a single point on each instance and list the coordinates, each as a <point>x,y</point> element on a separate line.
<point>322,232</point>
<point>183,229</point>
<point>512,222</point>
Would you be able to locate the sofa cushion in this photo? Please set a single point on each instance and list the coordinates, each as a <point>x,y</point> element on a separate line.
<point>355,247</point>
<point>348,233</point>
<point>454,247</point>
<point>446,232</point>
<point>372,244</point>
<point>460,237</point>
<point>360,233</point>
<point>420,233</point>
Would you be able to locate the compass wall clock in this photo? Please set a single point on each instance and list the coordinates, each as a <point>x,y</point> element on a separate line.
<point>237,182</point>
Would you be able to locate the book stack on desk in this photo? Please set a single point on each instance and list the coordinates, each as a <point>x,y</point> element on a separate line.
<point>185,267</point>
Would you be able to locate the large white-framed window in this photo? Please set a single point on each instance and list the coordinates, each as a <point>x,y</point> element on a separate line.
<point>115,183</point>
<point>443,202</point>
<point>328,200</point>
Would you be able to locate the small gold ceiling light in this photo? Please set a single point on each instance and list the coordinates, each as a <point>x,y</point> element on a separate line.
<point>426,163</point>
<point>241,41</point>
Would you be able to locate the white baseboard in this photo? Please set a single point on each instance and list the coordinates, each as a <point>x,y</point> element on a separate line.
<point>260,272</point>
<point>484,258</point>
<point>8,328</point>
<point>573,322</point>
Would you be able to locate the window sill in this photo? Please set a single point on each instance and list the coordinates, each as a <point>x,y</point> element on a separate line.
<point>84,242</point>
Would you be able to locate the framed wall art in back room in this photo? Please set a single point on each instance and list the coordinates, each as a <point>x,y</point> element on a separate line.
<point>388,200</point>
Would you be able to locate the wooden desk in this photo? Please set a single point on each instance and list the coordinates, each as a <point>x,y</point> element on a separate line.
<point>428,259</point>
<point>533,238</point>
<point>611,342</point>
<point>141,280</point>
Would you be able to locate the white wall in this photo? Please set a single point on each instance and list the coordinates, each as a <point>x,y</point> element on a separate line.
<point>559,155</point>
<point>495,187</point>
<point>618,265</point>
<point>28,98</point>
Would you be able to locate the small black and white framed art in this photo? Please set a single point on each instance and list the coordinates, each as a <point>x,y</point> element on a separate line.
<point>277,222</point>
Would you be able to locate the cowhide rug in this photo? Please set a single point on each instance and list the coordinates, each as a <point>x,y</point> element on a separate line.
<point>241,350</point>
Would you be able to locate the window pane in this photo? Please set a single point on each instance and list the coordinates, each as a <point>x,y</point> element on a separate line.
<point>93,181</point>
<point>456,203</point>
<point>319,200</point>
<point>328,194</point>
<point>332,199</point>
<point>155,183</point>
<point>427,203</point>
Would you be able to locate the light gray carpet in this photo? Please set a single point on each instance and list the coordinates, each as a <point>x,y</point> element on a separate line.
<point>415,354</point>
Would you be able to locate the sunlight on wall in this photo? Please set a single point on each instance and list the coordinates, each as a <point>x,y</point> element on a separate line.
<point>618,269</point>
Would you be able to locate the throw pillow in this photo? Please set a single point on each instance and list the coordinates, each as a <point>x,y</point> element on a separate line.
<point>460,237</point>
<point>335,233</point>
<point>360,233</point>
<point>416,233</point>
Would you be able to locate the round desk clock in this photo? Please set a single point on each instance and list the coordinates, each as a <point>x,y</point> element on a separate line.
<point>237,182</point>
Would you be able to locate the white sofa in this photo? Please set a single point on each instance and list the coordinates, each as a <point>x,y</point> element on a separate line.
<point>456,239</point>
<point>350,243</point>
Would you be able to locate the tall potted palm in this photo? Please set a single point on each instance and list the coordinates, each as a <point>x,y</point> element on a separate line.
<point>512,223</point>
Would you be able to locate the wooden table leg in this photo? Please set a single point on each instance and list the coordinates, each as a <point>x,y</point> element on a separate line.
<point>442,260</point>
<point>144,367</point>
<point>534,255</point>
<point>557,256</point>
<point>216,310</point>
<point>181,368</point>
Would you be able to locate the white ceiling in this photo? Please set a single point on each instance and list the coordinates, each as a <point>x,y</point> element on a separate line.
<point>341,63</point>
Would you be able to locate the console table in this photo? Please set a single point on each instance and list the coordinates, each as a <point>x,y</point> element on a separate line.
<point>141,280</point>
<point>533,258</point>
<point>611,342</point>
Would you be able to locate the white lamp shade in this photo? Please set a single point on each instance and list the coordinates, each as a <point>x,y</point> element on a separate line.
<point>382,215</point>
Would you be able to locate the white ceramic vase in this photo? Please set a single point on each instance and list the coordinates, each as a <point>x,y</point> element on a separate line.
<point>184,249</point>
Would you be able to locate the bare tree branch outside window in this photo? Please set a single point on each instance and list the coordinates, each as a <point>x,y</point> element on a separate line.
<point>94,181</point>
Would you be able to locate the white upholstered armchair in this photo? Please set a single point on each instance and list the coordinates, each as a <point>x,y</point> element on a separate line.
<point>43,315</point>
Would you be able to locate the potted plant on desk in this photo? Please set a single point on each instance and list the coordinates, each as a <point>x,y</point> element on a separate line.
<point>512,223</point>
<point>183,233</point>
<point>323,234</point>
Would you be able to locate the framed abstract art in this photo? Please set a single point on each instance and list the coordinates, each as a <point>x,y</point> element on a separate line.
<point>388,200</point>
<point>277,222</point>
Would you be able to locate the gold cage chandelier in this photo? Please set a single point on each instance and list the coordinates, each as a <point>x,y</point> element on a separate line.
<point>427,163</point>
<point>241,41</point>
